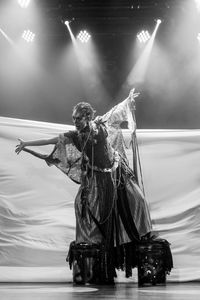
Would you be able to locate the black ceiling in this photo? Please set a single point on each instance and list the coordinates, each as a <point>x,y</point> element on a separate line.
<point>108,17</point>
<point>105,9</point>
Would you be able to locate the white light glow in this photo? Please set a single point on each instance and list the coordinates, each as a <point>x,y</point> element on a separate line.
<point>159,21</point>
<point>198,37</point>
<point>28,36</point>
<point>139,70</point>
<point>84,36</point>
<point>197,4</point>
<point>143,36</point>
<point>24,3</point>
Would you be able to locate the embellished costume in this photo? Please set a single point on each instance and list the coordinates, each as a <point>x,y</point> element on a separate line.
<point>110,208</point>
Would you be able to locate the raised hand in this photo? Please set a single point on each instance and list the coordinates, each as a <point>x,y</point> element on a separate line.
<point>20,146</point>
<point>133,95</point>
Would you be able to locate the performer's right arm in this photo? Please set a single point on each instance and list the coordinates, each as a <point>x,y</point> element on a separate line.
<point>41,142</point>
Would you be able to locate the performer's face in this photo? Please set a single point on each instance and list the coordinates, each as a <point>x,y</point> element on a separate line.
<point>79,120</point>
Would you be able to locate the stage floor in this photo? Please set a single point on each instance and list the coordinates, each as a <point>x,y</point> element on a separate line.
<point>40,291</point>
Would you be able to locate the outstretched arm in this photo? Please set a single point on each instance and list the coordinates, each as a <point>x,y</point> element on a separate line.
<point>42,142</point>
<point>124,111</point>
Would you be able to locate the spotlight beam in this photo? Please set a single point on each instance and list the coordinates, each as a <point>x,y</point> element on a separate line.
<point>139,70</point>
<point>78,51</point>
<point>7,37</point>
<point>71,33</point>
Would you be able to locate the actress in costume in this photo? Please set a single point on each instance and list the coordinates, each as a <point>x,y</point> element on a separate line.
<point>110,208</point>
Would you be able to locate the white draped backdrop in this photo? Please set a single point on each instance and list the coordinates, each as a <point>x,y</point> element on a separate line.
<point>36,202</point>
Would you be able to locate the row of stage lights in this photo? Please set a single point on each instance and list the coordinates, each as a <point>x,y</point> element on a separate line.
<point>83,35</point>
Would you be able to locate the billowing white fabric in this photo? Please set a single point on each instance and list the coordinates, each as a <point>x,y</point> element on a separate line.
<point>36,201</point>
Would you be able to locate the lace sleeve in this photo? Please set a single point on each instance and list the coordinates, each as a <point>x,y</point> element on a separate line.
<point>64,156</point>
<point>113,119</point>
<point>120,113</point>
<point>67,158</point>
<point>124,111</point>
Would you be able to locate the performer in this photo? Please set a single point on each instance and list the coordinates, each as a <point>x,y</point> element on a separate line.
<point>110,207</point>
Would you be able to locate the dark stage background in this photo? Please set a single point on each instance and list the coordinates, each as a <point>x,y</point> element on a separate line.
<point>43,80</point>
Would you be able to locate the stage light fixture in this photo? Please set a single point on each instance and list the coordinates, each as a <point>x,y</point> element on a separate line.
<point>28,36</point>
<point>24,3</point>
<point>143,36</point>
<point>83,36</point>
<point>159,21</point>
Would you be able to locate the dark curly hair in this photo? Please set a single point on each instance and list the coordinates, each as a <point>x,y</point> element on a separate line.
<point>85,110</point>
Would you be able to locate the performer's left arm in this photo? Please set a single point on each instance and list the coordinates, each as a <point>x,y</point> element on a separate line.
<point>123,111</point>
